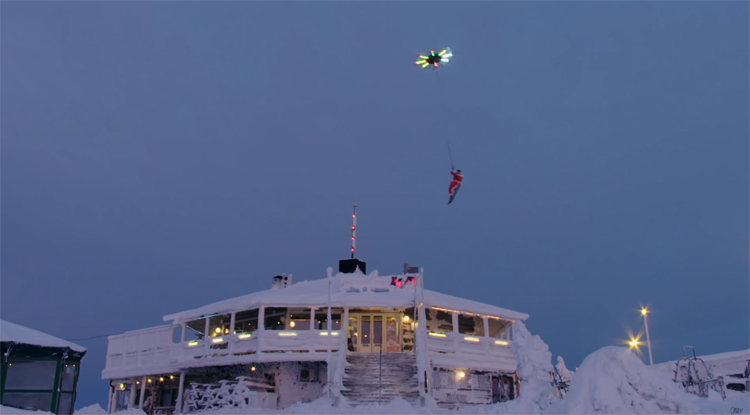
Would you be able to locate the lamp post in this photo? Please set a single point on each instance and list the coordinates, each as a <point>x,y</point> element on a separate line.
<point>644,312</point>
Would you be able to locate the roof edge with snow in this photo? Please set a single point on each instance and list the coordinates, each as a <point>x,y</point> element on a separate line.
<point>15,333</point>
<point>346,290</point>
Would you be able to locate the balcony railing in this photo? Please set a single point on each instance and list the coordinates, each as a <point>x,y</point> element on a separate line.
<point>480,351</point>
<point>152,350</point>
<point>149,349</point>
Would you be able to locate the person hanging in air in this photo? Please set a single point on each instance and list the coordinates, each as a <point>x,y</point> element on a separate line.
<point>458,178</point>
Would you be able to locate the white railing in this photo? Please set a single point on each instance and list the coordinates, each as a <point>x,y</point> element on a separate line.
<point>152,350</point>
<point>478,351</point>
<point>135,351</point>
<point>263,341</point>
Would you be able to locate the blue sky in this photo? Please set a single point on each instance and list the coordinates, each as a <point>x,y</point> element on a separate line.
<point>159,156</point>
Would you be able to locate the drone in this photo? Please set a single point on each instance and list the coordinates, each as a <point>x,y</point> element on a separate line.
<point>434,59</point>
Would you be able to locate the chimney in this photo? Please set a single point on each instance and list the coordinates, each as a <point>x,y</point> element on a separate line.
<point>349,266</point>
<point>281,281</point>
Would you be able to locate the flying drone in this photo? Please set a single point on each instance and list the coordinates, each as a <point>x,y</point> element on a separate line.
<point>434,59</point>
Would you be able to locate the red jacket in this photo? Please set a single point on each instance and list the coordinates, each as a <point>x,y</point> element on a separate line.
<point>457,176</point>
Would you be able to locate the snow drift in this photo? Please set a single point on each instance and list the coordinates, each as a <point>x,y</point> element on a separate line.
<point>534,365</point>
<point>613,380</point>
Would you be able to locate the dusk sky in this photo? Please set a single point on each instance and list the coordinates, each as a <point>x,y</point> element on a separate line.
<point>160,156</point>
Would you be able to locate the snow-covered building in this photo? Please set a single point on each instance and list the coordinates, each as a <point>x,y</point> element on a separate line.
<point>353,337</point>
<point>38,371</point>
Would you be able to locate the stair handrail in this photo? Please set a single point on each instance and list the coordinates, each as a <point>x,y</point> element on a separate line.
<point>380,376</point>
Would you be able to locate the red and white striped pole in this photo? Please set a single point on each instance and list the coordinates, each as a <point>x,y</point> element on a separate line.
<point>354,230</point>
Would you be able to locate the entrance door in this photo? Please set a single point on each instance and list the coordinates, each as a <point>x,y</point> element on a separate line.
<point>373,333</point>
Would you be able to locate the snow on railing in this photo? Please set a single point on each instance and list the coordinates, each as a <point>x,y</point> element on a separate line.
<point>262,341</point>
<point>449,349</point>
<point>152,350</point>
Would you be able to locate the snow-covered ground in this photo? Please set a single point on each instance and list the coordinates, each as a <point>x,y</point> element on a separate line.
<point>611,380</point>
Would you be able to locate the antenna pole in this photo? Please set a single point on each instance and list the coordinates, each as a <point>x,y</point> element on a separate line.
<point>354,230</point>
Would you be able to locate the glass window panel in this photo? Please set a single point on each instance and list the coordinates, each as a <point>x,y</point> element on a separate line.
<point>365,338</point>
<point>391,335</point>
<point>412,314</point>
<point>64,404</point>
<point>439,320</point>
<point>321,318</point>
<point>353,333</point>
<point>275,319</point>
<point>498,328</point>
<point>68,376</point>
<point>299,319</point>
<point>195,329</point>
<point>246,321</point>
<point>31,375</point>
<point>123,398</point>
<point>471,325</point>
<point>219,325</point>
<point>168,397</point>
<point>377,330</point>
<point>30,401</point>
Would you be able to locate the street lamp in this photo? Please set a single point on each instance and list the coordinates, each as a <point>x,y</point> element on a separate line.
<point>644,312</point>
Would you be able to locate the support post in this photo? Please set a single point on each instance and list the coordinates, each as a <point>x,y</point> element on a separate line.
<point>180,392</point>
<point>143,393</point>
<point>345,330</point>
<point>112,398</point>
<point>487,332</point>
<point>131,403</point>
<point>261,328</point>
<point>231,339</point>
<point>420,343</point>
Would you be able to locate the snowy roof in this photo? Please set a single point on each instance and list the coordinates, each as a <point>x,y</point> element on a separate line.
<point>10,332</point>
<point>347,290</point>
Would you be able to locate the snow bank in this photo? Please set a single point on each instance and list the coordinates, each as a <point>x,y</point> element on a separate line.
<point>534,366</point>
<point>97,410</point>
<point>323,406</point>
<point>614,380</point>
<point>9,410</point>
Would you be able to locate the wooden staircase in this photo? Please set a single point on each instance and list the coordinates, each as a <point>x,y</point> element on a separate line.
<point>374,378</point>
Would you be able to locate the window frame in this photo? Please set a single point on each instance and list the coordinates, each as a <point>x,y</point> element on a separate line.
<point>41,354</point>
